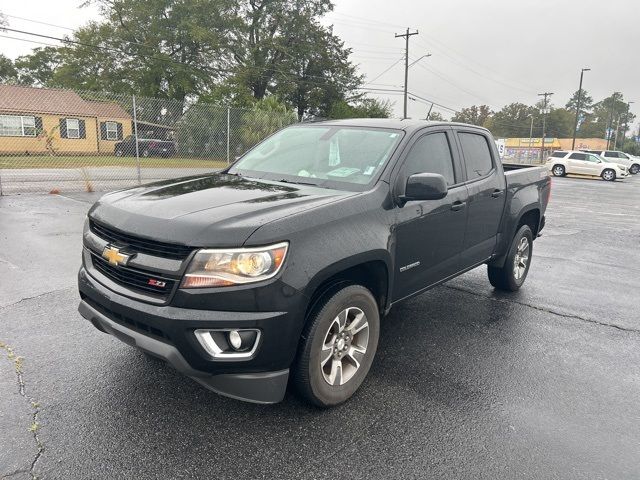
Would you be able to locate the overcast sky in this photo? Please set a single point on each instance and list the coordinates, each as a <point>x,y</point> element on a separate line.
<point>494,52</point>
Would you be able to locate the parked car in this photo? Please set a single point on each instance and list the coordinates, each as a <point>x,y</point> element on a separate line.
<point>147,147</point>
<point>575,162</point>
<point>282,265</point>
<point>632,163</point>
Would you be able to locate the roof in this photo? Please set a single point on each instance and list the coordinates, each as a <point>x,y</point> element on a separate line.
<point>108,109</point>
<point>408,125</point>
<point>20,99</point>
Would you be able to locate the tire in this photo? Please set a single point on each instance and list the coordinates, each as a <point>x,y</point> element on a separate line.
<point>506,277</point>
<point>634,169</point>
<point>608,174</point>
<point>559,171</point>
<point>119,153</point>
<point>145,153</point>
<point>320,382</point>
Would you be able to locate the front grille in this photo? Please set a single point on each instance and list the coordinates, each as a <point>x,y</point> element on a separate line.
<point>141,245</point>
<point>129,322</point>
<point>134,279</point>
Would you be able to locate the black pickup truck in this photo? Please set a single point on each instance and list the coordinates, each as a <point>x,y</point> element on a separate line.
<point>278,269</point>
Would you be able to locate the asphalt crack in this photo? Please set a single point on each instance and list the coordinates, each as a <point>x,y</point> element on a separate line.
<point>546,310</point>
<point>9,305</point>
<point>35,407</point>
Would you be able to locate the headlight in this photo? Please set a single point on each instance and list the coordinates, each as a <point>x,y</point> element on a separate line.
<point>225,267</point>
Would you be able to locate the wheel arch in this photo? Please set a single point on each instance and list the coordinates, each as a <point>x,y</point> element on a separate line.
<point>371,270</point>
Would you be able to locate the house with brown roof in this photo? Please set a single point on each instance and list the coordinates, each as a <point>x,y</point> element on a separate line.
<point>51,121</point>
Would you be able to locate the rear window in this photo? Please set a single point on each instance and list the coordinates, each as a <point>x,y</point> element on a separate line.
<point>477,155</point>
<point>578,156</point>
<point>611,154</point>
<point>558,154</point>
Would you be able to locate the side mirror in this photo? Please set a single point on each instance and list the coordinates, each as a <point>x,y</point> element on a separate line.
<point>425,186</point>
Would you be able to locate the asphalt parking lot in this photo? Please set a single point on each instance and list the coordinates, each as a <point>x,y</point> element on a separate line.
<point>468,382</point>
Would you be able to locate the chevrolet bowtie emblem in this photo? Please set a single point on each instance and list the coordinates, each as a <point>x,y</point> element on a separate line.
<point>114,256</point>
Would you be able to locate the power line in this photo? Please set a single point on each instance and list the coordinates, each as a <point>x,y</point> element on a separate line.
<point>385,71</point>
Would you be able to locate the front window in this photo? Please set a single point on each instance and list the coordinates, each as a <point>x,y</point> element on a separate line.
<point>112,130</point>
<point>73,128</point>
<point>332,156</point>
<point>17,126</point>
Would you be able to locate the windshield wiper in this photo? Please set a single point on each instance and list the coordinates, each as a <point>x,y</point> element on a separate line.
<point>284,180</point>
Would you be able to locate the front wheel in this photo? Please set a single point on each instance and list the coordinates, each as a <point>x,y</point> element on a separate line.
<point>513,273</point>
<point>608,175</point>
<point>634,169</point>
<point>338,346</point>
<point>558,170</point>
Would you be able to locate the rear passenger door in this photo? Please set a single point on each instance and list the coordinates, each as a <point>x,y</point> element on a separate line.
<point>577,163</point>
<point>486,187</point>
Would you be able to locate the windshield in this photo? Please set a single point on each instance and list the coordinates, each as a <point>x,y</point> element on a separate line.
<point>336,157</point>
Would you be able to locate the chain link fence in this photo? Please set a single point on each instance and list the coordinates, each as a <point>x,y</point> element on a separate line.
<point>54,140</point>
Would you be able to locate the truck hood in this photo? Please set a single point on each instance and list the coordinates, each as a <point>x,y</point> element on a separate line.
<point>216,210</point>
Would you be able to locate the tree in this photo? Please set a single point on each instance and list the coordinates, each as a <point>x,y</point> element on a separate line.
<point>364,108</point>
<point>513,120</point>
<point>586,102</point>
<point>8,72</point>
<point>150,47</point>
<point>436,117</point>
<point>267,116</point>
<point>38,67</point>
<point>475,115</point>
<point>559,123</point>
<point>282,48</point>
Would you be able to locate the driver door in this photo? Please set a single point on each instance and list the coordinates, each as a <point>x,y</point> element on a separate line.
<point>592,165</point>
<point>429,234</point>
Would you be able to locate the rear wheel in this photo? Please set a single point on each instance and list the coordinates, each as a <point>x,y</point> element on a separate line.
<point>337,346</point>
<point>119,152</point>
<point>513,273</point>
<point>634,169</point>
<point>559,171</point>
<point>145,153</point>
<point>609,175</point>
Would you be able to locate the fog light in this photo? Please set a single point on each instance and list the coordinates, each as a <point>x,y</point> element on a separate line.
<point>235,340</point>
<point>225,343</point>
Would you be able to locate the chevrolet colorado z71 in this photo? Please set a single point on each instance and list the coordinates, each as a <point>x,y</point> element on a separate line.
<point>278,269</point>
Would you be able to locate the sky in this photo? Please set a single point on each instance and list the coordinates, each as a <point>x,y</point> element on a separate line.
<point>482,52</point>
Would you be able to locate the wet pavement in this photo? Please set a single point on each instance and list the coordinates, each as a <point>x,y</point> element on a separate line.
<point>468,382</point>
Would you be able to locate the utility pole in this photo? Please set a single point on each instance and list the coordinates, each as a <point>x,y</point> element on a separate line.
<point>429,112</point>
<point>607,130</point>
<point>626,122</point>
<point>575,125</point>
<point>406,64</point>
<point>544,122</point>
<point>615,136</point>
<point>530,137</point>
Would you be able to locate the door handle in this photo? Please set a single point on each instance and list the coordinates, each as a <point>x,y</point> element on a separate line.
<point>458,206</point>
<point>497,193</point>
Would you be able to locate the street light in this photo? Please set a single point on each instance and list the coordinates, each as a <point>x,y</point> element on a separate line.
<point>575,125</point>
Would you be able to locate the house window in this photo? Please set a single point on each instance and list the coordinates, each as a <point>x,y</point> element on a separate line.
<point>73,128</point>
<point>112,130</point>
<point>17,126</point>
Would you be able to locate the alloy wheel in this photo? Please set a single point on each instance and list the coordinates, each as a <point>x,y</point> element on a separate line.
<point>521,259</point>
<point>344,346</point>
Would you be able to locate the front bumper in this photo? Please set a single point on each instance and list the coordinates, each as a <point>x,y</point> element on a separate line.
<point>167,332</point>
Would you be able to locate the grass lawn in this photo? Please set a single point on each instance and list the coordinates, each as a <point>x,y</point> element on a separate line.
<point>10,162</point>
